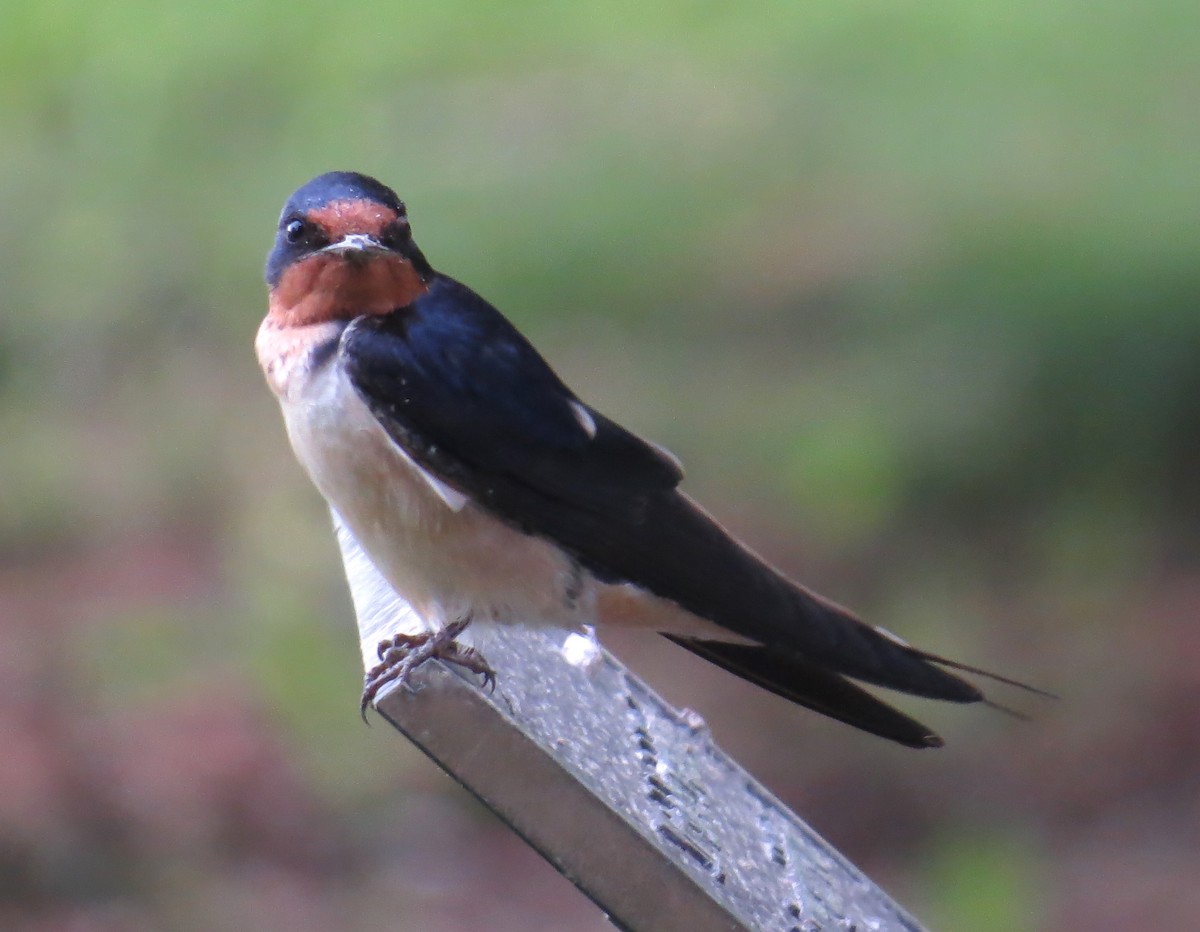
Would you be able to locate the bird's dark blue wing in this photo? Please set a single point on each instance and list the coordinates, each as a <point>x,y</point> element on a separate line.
<point>468,398</point>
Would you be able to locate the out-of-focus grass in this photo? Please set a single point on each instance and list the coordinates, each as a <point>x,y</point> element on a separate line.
<point>912,288</point>
<point>985,883</point>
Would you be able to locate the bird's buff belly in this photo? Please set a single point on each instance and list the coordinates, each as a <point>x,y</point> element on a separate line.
<point>448,563</point>
<point>450,559</point>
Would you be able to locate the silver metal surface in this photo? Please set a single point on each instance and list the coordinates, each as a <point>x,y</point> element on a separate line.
<point>627,797</point>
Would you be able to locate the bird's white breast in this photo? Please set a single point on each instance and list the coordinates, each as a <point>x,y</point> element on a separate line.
<point>449,558</point>
<point>444,554</point>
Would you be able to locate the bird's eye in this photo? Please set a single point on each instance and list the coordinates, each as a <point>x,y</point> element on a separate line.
<point>397,233</point>
<point>295,231</point>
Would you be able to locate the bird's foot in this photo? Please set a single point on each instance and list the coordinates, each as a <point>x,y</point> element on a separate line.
<point>401,654</point>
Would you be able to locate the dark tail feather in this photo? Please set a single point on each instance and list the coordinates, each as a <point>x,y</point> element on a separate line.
<point>800,681</point>
<point>1008,710</point>
<point>995,677</point>
<point>834,638</point>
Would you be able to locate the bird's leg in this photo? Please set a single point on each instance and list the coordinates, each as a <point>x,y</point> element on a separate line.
<point>401,654</point>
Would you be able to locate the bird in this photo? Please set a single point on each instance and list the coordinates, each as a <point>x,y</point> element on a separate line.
<point>485,490</point>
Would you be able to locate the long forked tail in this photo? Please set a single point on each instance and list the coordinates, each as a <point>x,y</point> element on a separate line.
<point>977,671</point>
<point>987,674</point>
<point>816,687</point>
<point>823,634</point>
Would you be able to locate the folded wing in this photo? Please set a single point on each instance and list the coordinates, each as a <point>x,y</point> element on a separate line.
<point>467,397</point>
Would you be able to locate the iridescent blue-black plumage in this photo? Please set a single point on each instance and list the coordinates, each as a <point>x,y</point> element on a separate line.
<point>450,370</point>
<point>341,186</point>
<point>467,398</point>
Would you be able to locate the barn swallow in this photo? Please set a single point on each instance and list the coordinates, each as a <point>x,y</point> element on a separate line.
<point>483,489</point>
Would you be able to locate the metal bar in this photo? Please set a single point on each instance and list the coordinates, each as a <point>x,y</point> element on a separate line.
<point>627,797</point>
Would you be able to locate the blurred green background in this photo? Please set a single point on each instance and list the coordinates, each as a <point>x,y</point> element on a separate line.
<point>912,288</point>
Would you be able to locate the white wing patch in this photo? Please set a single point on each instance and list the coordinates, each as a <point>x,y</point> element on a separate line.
<point>894,638</point>
<point>454,499</point>
<point>584,417</point>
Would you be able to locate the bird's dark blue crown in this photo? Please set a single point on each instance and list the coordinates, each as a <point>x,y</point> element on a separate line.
<point>340,186</point>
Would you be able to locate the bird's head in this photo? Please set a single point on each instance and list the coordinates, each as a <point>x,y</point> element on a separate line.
<point>344,248</point>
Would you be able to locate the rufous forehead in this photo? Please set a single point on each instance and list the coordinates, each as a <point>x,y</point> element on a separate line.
<point>341,218</point>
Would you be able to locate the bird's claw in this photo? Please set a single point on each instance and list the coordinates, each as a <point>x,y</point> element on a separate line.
<point>401,654</point>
